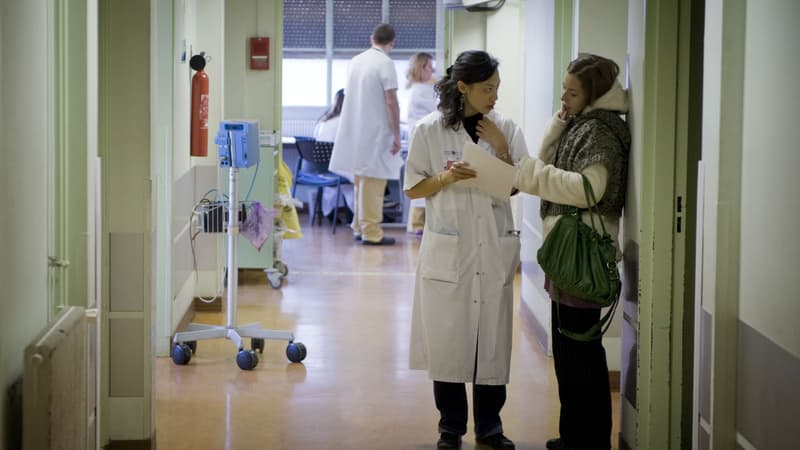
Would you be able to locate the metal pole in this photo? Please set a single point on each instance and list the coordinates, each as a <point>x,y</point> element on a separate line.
<point>233,235</point>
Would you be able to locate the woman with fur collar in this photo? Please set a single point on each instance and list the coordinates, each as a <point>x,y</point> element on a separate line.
<point>586,137</point>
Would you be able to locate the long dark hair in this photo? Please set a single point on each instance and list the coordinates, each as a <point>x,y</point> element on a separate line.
<point>596,74</point>
<point>336,109</point>
<point>471,66</point>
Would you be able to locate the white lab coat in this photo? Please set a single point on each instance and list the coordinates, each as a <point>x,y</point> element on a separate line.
<point>421,102</point>
<point>463,293</point>
<point>364,140</point>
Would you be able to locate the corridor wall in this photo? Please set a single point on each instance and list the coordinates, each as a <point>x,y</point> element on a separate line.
<point>24,77</point>
<point>750,352</point>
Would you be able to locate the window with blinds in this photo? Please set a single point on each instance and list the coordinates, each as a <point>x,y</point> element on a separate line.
<point>317,48</point>
<point>305,28</point>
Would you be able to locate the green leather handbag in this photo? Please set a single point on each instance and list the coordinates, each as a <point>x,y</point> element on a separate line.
<point>583,263</point>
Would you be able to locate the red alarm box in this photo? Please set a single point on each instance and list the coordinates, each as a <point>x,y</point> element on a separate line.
<point>259,53</point>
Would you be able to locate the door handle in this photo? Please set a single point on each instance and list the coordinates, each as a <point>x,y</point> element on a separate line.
<point>52,261</point>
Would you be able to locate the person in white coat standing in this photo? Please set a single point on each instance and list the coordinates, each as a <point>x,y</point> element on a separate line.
<point>368,139</point>
<point>421,102</point>
<point>463,293</point>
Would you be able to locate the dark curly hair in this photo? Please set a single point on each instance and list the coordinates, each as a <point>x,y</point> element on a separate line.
<point>596,74</point>
<point>471,66</point>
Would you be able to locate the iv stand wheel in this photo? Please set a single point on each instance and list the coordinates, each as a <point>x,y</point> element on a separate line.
<point>192,345</point>
<point>181,354</point>
<point>257,344</point>
<point>275,279</point>
<point>281,267</point>
<point>296,351</point>
<point>247,359</point>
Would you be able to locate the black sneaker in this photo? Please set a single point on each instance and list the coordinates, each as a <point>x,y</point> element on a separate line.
<point>449,440</point>
<point>384,241</point>
<point>496,441</point>
<point>557,444</point>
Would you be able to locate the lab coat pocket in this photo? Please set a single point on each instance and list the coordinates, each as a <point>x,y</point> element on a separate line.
<point>439,257</point>
<point>509,257</point>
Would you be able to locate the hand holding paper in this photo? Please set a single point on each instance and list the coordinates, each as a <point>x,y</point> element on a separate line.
<point>495,177</point>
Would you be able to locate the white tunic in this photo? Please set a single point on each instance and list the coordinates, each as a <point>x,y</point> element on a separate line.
<point>463,293</point>
<point>364,140</point>
<point>421,102</point>
<point>326,130</point>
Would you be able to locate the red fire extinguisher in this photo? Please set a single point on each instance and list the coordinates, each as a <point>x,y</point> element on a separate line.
<point>199,124</point>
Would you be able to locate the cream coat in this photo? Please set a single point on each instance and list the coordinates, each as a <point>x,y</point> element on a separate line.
<point>538,176</point>
<point>463,293</point>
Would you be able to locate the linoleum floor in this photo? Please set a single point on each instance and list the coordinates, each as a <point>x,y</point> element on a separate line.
<point>350,305</point>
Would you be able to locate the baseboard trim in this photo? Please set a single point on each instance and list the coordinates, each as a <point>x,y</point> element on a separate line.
<point>215,305</point>
<point>144,444</point>
<point>614,380</point>
<point>183,324</point>
<point>623,445</point>
<point>536,328</point>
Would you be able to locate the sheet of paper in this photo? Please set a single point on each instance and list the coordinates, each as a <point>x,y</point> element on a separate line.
<point>495,177</point>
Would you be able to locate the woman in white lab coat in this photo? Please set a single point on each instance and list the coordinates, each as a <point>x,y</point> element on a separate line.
<point>463,294</point>
<point>421,102</point>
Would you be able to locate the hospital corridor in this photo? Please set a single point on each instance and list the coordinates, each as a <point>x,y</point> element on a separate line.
<point>351,306</point>
<point>305,224</point>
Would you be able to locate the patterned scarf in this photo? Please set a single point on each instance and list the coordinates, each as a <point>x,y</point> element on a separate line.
<point>596,137</point>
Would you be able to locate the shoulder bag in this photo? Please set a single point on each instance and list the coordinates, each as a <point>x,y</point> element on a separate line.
<point>583,263</point>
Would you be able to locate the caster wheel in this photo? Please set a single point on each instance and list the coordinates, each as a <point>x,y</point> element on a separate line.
<point>192,345</point>
<point>296,351</point>
<point>275,280</point>
<point>181,354</point>
<point>257,344</point>
<point>282,268</point>
<point>247,359</point>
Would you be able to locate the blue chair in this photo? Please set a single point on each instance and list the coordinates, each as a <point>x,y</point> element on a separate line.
<point>312,170</point>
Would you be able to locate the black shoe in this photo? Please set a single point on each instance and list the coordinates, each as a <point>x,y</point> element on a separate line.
<point>357,237</point>
<point>449,440</point>
<point>496,441</point>
<point>384,241</point>
<point>557,444</point>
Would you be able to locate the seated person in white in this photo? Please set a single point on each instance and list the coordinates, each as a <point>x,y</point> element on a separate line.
<point>325,130</point>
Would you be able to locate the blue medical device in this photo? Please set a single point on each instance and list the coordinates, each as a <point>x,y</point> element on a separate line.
<point>238,143</point>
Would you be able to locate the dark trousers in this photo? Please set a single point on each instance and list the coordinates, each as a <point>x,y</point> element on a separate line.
<point>451,401</point>
<point>583,386</point>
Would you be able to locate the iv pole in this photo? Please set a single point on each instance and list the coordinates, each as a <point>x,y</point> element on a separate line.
<point>185,342</point>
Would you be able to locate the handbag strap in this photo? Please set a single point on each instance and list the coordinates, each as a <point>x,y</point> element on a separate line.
<point>591,201</point>
<point>592,334</point>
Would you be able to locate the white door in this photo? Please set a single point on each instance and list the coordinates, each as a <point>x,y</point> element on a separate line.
<point>72,174</point>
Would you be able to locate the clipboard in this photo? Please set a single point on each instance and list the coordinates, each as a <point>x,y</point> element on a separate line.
<point>495,177</point>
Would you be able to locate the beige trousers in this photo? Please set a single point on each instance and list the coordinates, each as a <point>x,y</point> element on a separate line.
<point>368,208</point>
<point>416,219</point>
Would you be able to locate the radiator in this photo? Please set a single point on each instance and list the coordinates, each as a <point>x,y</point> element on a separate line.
<point>54,407</point>
<point>298,127</point>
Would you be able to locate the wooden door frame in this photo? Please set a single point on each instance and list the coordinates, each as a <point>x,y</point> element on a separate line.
<point>672,76</point>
